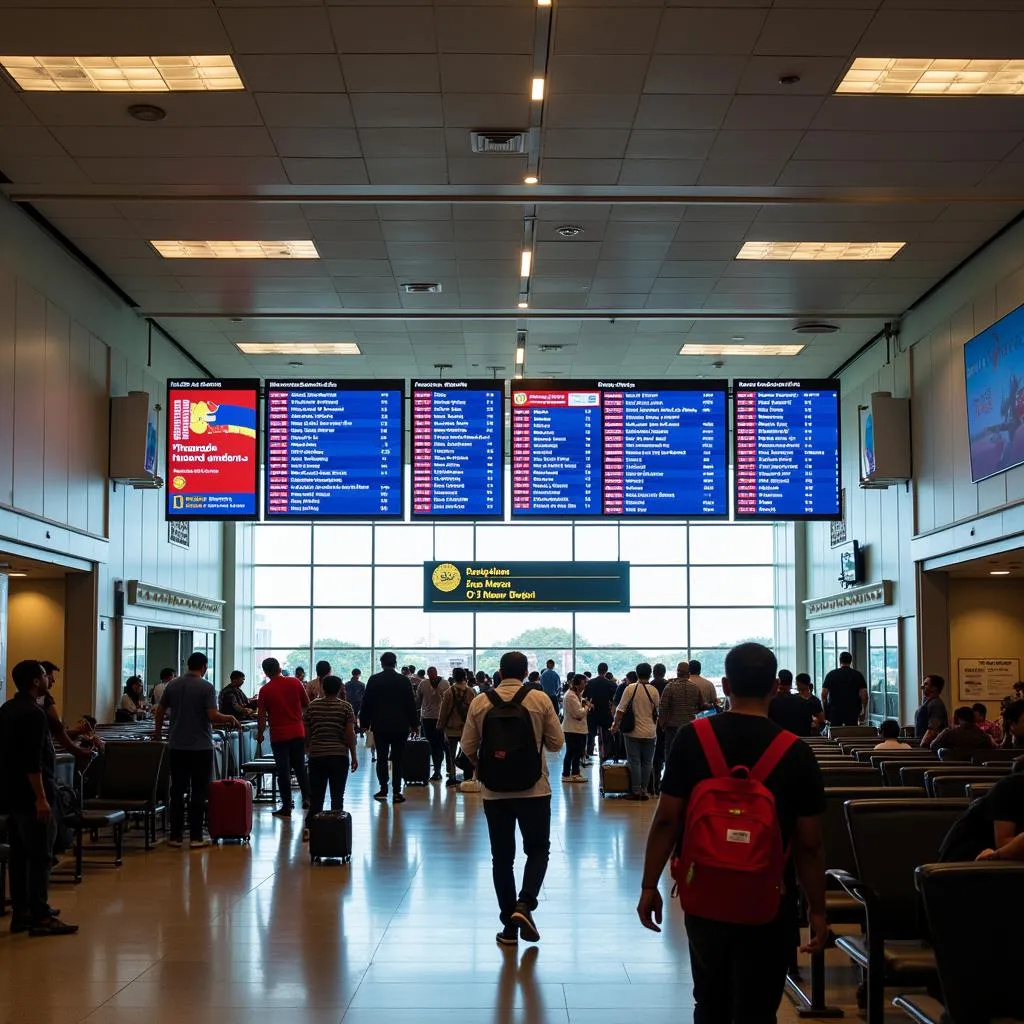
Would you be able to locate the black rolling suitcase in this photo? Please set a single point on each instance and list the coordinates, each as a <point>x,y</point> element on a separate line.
<point>416,762</point>
<point>330,836</point>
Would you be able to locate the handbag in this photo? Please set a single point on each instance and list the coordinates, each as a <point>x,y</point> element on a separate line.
<point>370,742</point>
<point>628,723</point>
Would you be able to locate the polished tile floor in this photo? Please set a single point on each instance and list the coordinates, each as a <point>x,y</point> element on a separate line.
<point>254,934</point>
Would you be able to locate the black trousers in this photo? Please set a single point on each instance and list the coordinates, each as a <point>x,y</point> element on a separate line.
<point>290,755</point>
<point>533,816</point>
<point>575,748</point>
<point>323,772</point>
<point>436,738</point>
<point>654,786</point>
<point>31,843</point>
<point>190,775</point>
<point>739,971</point>
<point>390,747</point>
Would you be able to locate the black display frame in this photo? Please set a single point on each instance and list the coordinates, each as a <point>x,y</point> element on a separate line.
<point>333,384</point>
<point>788,384</point>
<point>612,386</point>
<point>212,384</point>
<point>455,385</point>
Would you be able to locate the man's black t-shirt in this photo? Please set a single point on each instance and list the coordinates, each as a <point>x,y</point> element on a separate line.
<point>844,686</point>
<point>600,691</point>
<point>25,749</point>
<point>791,712</point>
<point>974,830</point>
<point>796,782</point>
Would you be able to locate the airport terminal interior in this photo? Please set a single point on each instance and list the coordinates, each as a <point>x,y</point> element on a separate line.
<point>614,332</point>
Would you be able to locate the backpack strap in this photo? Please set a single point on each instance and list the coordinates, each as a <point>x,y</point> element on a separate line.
<point>495,700</point>
<point>520,695</point>
<point>773,755</point>
<point>711,747</point>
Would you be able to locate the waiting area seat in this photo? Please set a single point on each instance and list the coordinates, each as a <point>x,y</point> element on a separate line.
<point>977,968</point>
<point>93,822</point>
<point>133,781</point>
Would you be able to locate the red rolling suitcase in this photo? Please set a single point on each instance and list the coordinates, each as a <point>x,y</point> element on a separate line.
<point>229,810</point>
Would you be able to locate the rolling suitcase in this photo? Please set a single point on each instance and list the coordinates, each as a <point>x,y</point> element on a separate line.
<point>416,763</point>
<point>330,836</point>
<point>229,809</point>
<point>615,778</point>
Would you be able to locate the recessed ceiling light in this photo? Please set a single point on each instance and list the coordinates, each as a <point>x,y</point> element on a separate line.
<point>123,74</point>
<point>569,230</point>
<point>543,3</point>
<point>927,76</point>
<point>815,327</point>
<point>537,90</point>
<point>531,179</point>
<point>525,263</point>
<point>693,349</point>
<point>522,305</point>
<point>298,348</point>
<point>797,251</point>
<point>999,572</point>
<point>172,249</point>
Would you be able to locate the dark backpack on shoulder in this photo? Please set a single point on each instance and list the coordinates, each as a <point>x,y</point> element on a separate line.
<point>509,757</point>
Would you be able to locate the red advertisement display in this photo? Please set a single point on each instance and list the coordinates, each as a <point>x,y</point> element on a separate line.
<point>212,449</point>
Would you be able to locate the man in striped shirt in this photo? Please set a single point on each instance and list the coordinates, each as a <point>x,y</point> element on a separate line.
<point>681,702</point>
<point>331,744</point>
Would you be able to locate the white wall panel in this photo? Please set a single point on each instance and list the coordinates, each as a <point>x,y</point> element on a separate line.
<point>29,444</point>
<point>56,400</point>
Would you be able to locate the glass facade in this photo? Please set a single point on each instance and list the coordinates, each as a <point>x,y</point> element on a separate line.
<point>346,592</point>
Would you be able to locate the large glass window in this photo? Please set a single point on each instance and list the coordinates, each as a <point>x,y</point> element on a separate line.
<point>347,592</point>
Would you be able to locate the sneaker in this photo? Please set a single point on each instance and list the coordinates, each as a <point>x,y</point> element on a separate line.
<point>382,796</point>
<point>282,812</point>
<point>567,778</point>
<point>577,778</point>
<point>508,936</point>
<point>436,777</point>
<point>51,926</point>
<point>398,798</point>
<point>470,786</point>
<point>523,920</point>
<point>176,843</point>
<point>305,835</point>
<point>199,844</point>
<point>452,781</point>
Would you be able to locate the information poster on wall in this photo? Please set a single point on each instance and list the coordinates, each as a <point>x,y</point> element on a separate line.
<point>988,679</point>
<point>212,449</point>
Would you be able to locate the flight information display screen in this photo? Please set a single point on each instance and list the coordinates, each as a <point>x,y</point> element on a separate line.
<point>787,449</point>
<point>334,449</point>
<point>620,449</point>
<point>458,449</point>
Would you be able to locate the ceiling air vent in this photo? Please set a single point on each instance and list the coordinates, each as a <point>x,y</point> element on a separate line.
<point>815,327</point>
<point>498,142</point>
<point>422,288</point>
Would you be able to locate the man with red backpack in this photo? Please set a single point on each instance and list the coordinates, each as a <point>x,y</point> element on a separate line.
<point>746,798</point>
<point>506,733</point>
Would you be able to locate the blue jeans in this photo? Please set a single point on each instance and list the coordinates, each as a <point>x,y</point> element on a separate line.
<point>640,754</point>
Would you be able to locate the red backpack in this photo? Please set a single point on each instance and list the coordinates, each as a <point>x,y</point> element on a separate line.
<point>732,860</point>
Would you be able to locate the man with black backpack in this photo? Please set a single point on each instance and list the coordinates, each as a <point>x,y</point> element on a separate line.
<point>744,796</point>
<point>505,736</point>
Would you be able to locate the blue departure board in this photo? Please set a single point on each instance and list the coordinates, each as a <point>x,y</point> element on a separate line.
<point>622,449</point>
<point>787,449</point>
<point>458,449</point>
<point>334,449</point>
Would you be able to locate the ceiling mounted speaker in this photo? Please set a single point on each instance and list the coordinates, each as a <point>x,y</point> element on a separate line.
<point>497,142</point>
<point>815,327</point>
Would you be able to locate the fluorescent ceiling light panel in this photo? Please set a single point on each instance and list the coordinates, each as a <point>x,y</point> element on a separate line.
<point>16,575</point>
<point>939,76</point>
<point>823,251</point>
<point>298,348</point>
<point>543,3</point>
<point>172,249</point>
<point>537,90</point>
<point>525,263</point>
<point>999,572</point>
<point>694,349</point>
<point>123,74</point>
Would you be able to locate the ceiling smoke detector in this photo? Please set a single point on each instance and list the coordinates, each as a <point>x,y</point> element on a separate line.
<point>501,142</point>
<point>815,327</point>
<point>569,230</point>
<point>146,112</point>
<point>422,288</point>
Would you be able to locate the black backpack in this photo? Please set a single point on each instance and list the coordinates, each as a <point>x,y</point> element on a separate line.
<point>509,756</point>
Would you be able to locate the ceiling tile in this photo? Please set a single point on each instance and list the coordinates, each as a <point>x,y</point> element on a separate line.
<point>687,145</point>
<point>291,72</point>
<point>305,110</point>
<point>705,32</point>
<point>681,111</point>
<point>312,171</point>
<point>754,146</point>
<point>381,29</point>
<point>424,171</point>
<point>315,142</point>
<point>30,142</point>
<point>492,72</point>
<point>607,110</point>
<point>184,170</point>
<point>630,30</point>
<point>772,112</point>
<point>970,31</point>
<point>697,73</point>
<point>586,143</point>
<point>884,173</point>
<point>588,73</point>
<point>487,110</point>
<point>488,29</point>
<point>167,141</point>
<point>184,109</point>
<point>816,33</point>
<point>581,172</point>
<point>660,172</point>
<point>486,170</point>
<point>905,146</point>
<point>385,72</point>
<point>402,142</point>
<point>275,30</point>
<point>818,75</point>
<point>397,110</point>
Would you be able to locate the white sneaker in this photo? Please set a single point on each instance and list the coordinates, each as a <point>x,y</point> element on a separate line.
<point>471,786</point>
<point>199,844</point>
<point>577,778</point>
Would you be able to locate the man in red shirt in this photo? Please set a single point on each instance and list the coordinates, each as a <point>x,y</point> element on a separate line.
<point>283,699</point>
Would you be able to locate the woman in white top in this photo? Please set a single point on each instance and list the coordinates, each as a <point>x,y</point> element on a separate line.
<point>133,700</point>
<point>574,725</point>
<point>642,699</point>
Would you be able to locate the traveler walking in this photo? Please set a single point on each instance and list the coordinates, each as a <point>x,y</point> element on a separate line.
<point>636,717</point>
<point>932,717</point>
<point>452,717</point>
<point>844,693</point>
<point>282,699</point>
<point>192,702</point>
<point>355,688</point>
<point>429,694</point>
<point>389,710</point>
<point>739,927</point>
<point>599,692</point>
<point>27,795</point>
<point>681,702</point>
<point>551,684</point>
<point>574,725</point>
<point>708,692</point>
<point>505,735</point>
<point>331,742</point>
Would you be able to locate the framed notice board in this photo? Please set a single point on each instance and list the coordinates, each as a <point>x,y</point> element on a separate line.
<point>987,679</point>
